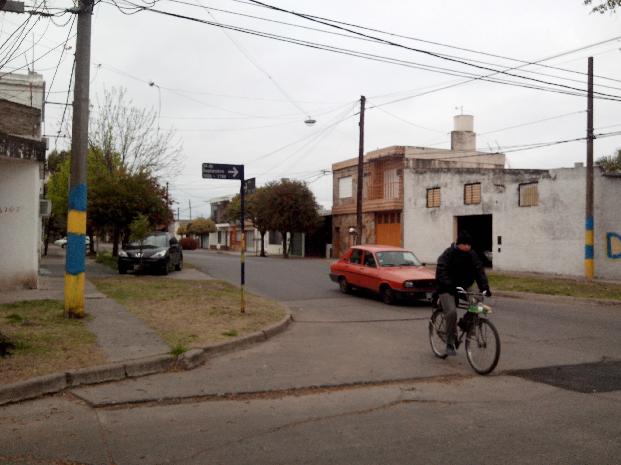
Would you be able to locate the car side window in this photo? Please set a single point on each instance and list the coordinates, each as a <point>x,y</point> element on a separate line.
<point>369,260</point>
<point>356,255</point>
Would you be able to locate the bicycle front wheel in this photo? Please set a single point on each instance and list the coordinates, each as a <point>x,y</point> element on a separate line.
<point>482,346</point>
<point>437,333</point>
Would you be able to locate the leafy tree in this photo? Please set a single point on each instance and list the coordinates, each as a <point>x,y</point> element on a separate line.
<point>611,163</point>
<point>258,211</point>
<point>293,208</point>
<point>201,226</point>
<point>182,230</point>
<point>603,7</point>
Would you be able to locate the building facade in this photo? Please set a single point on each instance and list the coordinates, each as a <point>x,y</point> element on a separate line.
<point>383,188</point>
<point>522,220</point>
<point>22,155</point>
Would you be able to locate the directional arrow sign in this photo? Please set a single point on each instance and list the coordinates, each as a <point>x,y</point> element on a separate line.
<point>222,171</point>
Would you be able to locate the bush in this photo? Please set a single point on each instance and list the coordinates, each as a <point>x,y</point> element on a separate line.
<point>187,243</point>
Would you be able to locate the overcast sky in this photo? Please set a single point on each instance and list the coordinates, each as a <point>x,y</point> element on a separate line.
<point>239,98</point>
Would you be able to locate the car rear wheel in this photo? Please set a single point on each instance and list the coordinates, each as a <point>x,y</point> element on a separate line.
<point>388,295</point>
<point>344,285</point>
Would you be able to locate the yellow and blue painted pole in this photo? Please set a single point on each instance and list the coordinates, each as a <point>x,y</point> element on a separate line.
<point>76,219</point>
<point>75,265</point>
<point>589,268</point>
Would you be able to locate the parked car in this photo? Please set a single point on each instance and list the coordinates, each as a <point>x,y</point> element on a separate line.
<point>159,252</point>
<point>391,272</point>
<point>62,242</point>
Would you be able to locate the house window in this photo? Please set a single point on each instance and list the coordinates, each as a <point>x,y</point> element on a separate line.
<point>345,187</point>
<point>391,184</point>
<point>472,193</point>
<point>433,197</point>
<point>274,238</point>
<point>529,194</point>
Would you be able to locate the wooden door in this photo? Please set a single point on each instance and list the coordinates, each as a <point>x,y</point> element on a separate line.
<point>388,228</point>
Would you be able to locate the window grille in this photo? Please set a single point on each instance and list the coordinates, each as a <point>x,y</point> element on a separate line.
<point>345,187</point>
<point>472,193</point>
<point>433,197</point>
<point>529,194</point>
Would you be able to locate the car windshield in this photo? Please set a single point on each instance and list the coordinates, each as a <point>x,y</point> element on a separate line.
<point>397,258</point>
<point>156,240</point>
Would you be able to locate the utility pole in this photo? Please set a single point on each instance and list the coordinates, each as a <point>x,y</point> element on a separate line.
<point>360,173</point>
<point>75,264</point>
<point>589,266</point>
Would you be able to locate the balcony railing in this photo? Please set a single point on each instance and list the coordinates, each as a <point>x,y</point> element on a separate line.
<point>21,147</point>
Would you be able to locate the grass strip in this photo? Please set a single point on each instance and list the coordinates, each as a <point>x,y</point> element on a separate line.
<point>190,314</point>
<point>555,286</point>
<point>45,341</point>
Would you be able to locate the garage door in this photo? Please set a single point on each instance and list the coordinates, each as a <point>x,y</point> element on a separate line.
<point>388,228</point>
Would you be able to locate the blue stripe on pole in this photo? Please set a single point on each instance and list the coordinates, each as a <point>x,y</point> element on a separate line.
<point>589,223</point>
<point>77,198</point>
<point>588,252</point>
<point>76,254</point>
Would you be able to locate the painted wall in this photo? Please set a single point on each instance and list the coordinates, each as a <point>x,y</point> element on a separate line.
<point>19,223</point>
<point>547,238</point>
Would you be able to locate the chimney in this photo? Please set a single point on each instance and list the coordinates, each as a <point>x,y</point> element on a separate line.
<point>463,138</point>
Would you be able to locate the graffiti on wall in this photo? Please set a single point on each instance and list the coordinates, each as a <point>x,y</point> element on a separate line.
<point>8,209</point>
<point>613,245</point>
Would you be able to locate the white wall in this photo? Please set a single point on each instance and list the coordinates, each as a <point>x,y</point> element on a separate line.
<point>607,198</point>
<point>19,223</point>
<point>548,238</point>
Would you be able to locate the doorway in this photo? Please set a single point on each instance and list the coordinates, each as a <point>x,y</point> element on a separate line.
<point>480,228</point>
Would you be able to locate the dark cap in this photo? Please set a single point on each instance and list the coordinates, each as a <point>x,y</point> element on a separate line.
<point>464,237</point>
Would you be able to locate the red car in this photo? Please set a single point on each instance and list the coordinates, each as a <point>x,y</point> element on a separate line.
<point>392,272</point>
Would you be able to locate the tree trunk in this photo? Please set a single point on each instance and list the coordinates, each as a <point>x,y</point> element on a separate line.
<point>115,240</point>
<point>285,251</point>
<point>46,235</point>
<point>262,243</point>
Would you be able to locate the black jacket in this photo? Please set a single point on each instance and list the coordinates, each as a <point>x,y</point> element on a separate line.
<point>459,269</point>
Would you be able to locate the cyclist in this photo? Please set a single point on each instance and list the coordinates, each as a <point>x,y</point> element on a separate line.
<point>458,266</point>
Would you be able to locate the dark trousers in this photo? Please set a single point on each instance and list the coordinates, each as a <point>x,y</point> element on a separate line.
<point>447,301</point>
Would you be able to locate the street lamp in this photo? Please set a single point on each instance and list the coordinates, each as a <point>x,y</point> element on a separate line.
<point>310,121</point>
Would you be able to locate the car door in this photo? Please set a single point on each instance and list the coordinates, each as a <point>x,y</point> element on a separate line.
<point>352,267</point>
<point>369,273</point>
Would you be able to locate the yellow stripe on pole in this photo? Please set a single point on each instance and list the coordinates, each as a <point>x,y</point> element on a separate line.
<point>588,237</point>
<point>589,269</point>
<point>76,222</point>
<point>74,295</point>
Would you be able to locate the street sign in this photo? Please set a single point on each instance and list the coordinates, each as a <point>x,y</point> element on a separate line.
<point>222,171</point>
<point>250,186</point>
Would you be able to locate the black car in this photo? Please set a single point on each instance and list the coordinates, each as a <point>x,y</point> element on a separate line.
<point>159,252</point>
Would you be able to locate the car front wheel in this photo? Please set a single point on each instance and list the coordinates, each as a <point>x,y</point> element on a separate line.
<point>344,285</point>
<point>388,295</point>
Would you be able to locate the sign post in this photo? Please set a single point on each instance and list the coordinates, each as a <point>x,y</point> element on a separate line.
<point>224,171</point>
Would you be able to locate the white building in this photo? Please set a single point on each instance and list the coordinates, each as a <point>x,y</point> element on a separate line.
<point>22,154</point>
<point>526,220</point>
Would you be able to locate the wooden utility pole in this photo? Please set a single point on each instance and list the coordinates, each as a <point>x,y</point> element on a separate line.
<point>360,174</point>
<point>589,266</point>
<point>75,264</point>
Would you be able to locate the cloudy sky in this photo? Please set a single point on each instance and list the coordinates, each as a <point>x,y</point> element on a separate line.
<point>233,80</point>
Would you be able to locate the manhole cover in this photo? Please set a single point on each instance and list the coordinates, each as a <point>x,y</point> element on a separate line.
<point>602,376</point>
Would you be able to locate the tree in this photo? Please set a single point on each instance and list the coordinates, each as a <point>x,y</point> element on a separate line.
<point>258,211</point>
<point>292,207</point>
<point>182,230</point>
<point>201,226</point>
<point>603,7</point>
<point>131,136</point>
<point>611,163</point>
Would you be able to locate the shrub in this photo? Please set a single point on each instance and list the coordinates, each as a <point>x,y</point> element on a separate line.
<point>187,243</point>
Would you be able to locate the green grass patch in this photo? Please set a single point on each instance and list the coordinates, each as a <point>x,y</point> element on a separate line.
<point>190,314</point>
<point>45,341</point>
<point>555,286</point>
<point>106,258</point>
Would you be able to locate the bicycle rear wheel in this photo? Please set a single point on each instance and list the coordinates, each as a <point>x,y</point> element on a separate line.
<point>482,346</point>
<point>437,333</point>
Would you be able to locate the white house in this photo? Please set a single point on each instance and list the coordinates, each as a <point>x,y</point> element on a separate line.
<point>524,220</point>
<point>22,154</point>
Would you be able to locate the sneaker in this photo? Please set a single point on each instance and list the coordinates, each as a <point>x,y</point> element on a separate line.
<point>450,350</point>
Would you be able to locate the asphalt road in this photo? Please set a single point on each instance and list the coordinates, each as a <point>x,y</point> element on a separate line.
<point>351,381</point>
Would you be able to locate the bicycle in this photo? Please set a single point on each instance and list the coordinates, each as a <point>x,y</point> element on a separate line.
<point>482,340</point>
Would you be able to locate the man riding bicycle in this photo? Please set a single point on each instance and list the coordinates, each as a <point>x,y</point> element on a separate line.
<point>458,266</point>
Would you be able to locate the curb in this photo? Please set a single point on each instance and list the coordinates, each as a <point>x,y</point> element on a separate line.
<point>57,382</point>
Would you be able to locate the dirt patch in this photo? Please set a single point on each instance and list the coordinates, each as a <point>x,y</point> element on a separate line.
<point>45,341</point>
<point>190,314</point>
